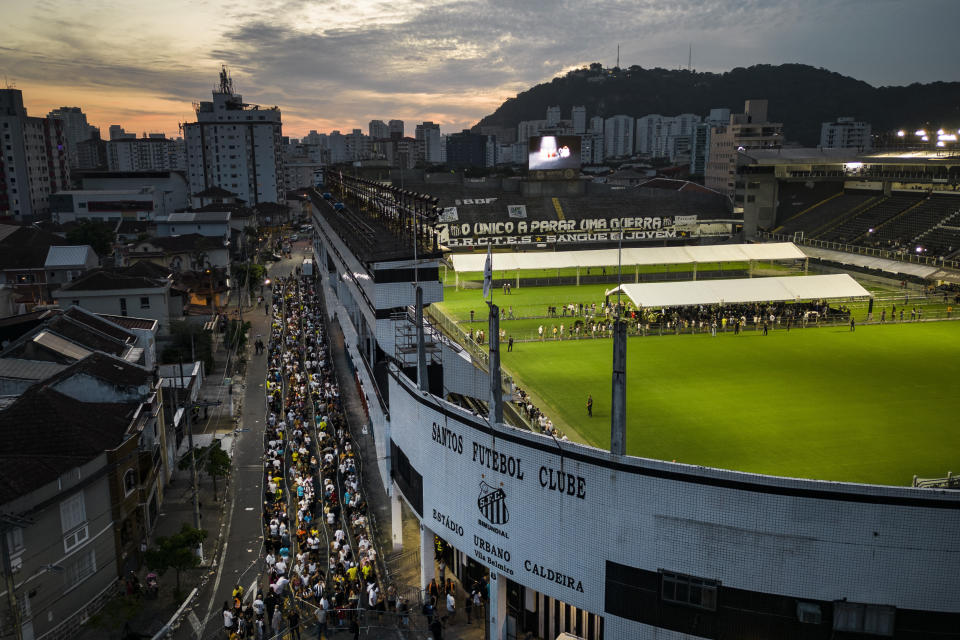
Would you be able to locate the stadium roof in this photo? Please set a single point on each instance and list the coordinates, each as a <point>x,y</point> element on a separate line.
<point>631,256</point>
<point>741,290</point>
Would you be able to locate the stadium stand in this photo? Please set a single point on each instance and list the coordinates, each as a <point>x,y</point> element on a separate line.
<point>488,202</point>
<point>795,198</point>
<point>911,224</point>
<point>826,212</point>
<point>870,217</point>
<point>943,239</point>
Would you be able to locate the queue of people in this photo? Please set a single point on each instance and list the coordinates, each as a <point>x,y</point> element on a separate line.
<point>319,564</point>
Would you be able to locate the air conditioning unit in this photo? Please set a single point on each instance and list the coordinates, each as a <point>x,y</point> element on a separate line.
<point>809,613</point>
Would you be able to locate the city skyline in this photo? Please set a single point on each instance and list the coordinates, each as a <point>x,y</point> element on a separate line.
<point>329,68</point>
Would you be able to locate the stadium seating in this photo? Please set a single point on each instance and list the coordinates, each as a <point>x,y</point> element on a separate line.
<point>907,228</point>
<point>824,213</point>
<point>870,218</point>
<point>944,239</point>
<point>794,198</point>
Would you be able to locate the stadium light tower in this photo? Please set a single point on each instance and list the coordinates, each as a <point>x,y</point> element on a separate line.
<point>618,400</point>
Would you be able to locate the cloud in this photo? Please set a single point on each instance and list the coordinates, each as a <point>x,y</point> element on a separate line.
<point>349,61</point>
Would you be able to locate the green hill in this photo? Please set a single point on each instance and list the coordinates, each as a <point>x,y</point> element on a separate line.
<point>802,97</point>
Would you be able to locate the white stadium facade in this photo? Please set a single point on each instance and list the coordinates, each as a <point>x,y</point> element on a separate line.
<point>581,540</point>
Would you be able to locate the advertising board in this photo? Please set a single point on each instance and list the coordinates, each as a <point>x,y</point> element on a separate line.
<point>553,152</point>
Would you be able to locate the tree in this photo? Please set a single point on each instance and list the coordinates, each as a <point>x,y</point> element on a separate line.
<point>178,552</point>
<point>98,235</point>
<point>257,273</point>
<point>181,347</point>
<point>212,460</point>
<point>236,335</point>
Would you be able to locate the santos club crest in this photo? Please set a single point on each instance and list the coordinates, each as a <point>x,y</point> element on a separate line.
<point>493,504</point>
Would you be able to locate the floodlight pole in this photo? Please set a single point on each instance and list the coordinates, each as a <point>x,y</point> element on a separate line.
<point>493,342</point>
<point>618,400</point>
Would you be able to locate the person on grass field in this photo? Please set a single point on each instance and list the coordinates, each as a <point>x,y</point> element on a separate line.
<point>590,406</point>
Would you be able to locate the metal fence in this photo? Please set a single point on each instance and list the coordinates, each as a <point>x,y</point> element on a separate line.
<point>899,255</point>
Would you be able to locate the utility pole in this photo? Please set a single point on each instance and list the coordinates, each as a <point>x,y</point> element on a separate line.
<point>11,596</point>
<point>8,523</point>
<point>193,461</point>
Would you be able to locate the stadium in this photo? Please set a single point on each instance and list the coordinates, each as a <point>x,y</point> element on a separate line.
<point>778,411</point>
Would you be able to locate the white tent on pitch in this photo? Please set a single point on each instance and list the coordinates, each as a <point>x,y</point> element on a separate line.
<point>632,256</point>
<point>741,290</point>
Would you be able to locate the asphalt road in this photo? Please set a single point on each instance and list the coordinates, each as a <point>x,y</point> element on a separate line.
<point>239,561</point>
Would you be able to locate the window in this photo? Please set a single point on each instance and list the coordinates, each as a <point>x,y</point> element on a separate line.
<point>83,566</point>
<point>73,521</point>
<point>688,590</point>
<point>144,302</point>
<point>129,482</point>
<point>863,618</point>
<point>15,541</point>
<point>123,306</point>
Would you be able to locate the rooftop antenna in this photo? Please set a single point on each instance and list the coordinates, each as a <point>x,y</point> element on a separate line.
<point>618,55</point>
<point>226,82</point>
<point>690,58</point>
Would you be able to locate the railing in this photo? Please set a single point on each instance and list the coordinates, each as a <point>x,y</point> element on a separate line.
<point>900,256</point>
<point>950,482</point>
<point>463,340</point>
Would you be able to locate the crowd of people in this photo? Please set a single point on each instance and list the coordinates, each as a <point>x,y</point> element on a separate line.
<point>319,564</point>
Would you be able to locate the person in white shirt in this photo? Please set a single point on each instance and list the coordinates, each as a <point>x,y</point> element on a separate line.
<point>451,607</point>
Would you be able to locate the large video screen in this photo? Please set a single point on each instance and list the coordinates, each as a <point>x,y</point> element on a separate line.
<point>554,152</point>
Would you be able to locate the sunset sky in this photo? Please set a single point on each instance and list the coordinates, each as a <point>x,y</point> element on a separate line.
<point>331,64</point>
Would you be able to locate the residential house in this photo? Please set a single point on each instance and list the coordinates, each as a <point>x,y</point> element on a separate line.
<point>213,195</point>
<point>23,257</point>
<point>190,252</point>
<point>144,290</point>
<point>212,224</point>
<point>67,263</point>
<point>81,470</point>
<point>107,205</point>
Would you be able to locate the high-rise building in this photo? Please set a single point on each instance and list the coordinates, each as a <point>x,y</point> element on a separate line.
<point>747,130</point>
<point>155,152</point>
<point>648,131</point>
<point>357,145</point>
<point>33,161</point>
<point>76,130</point>
<point>666,136</point>
<point>119,133</point>
<point>235,146</point>
<point>618,136</point>
<point>591,149</point>
<point>428,142</point>
<point>92,153</point>
<point>700,140</point>
<point>378,129</point>
<point>466,149</point>
<point>396,128</point>
<point>579,116</point>
<point>845,133</point>
<point>528,128</point>
<point>553,116</point>
<point>596,125</point>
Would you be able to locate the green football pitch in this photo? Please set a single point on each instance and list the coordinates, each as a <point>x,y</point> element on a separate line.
<point>877,405</point>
